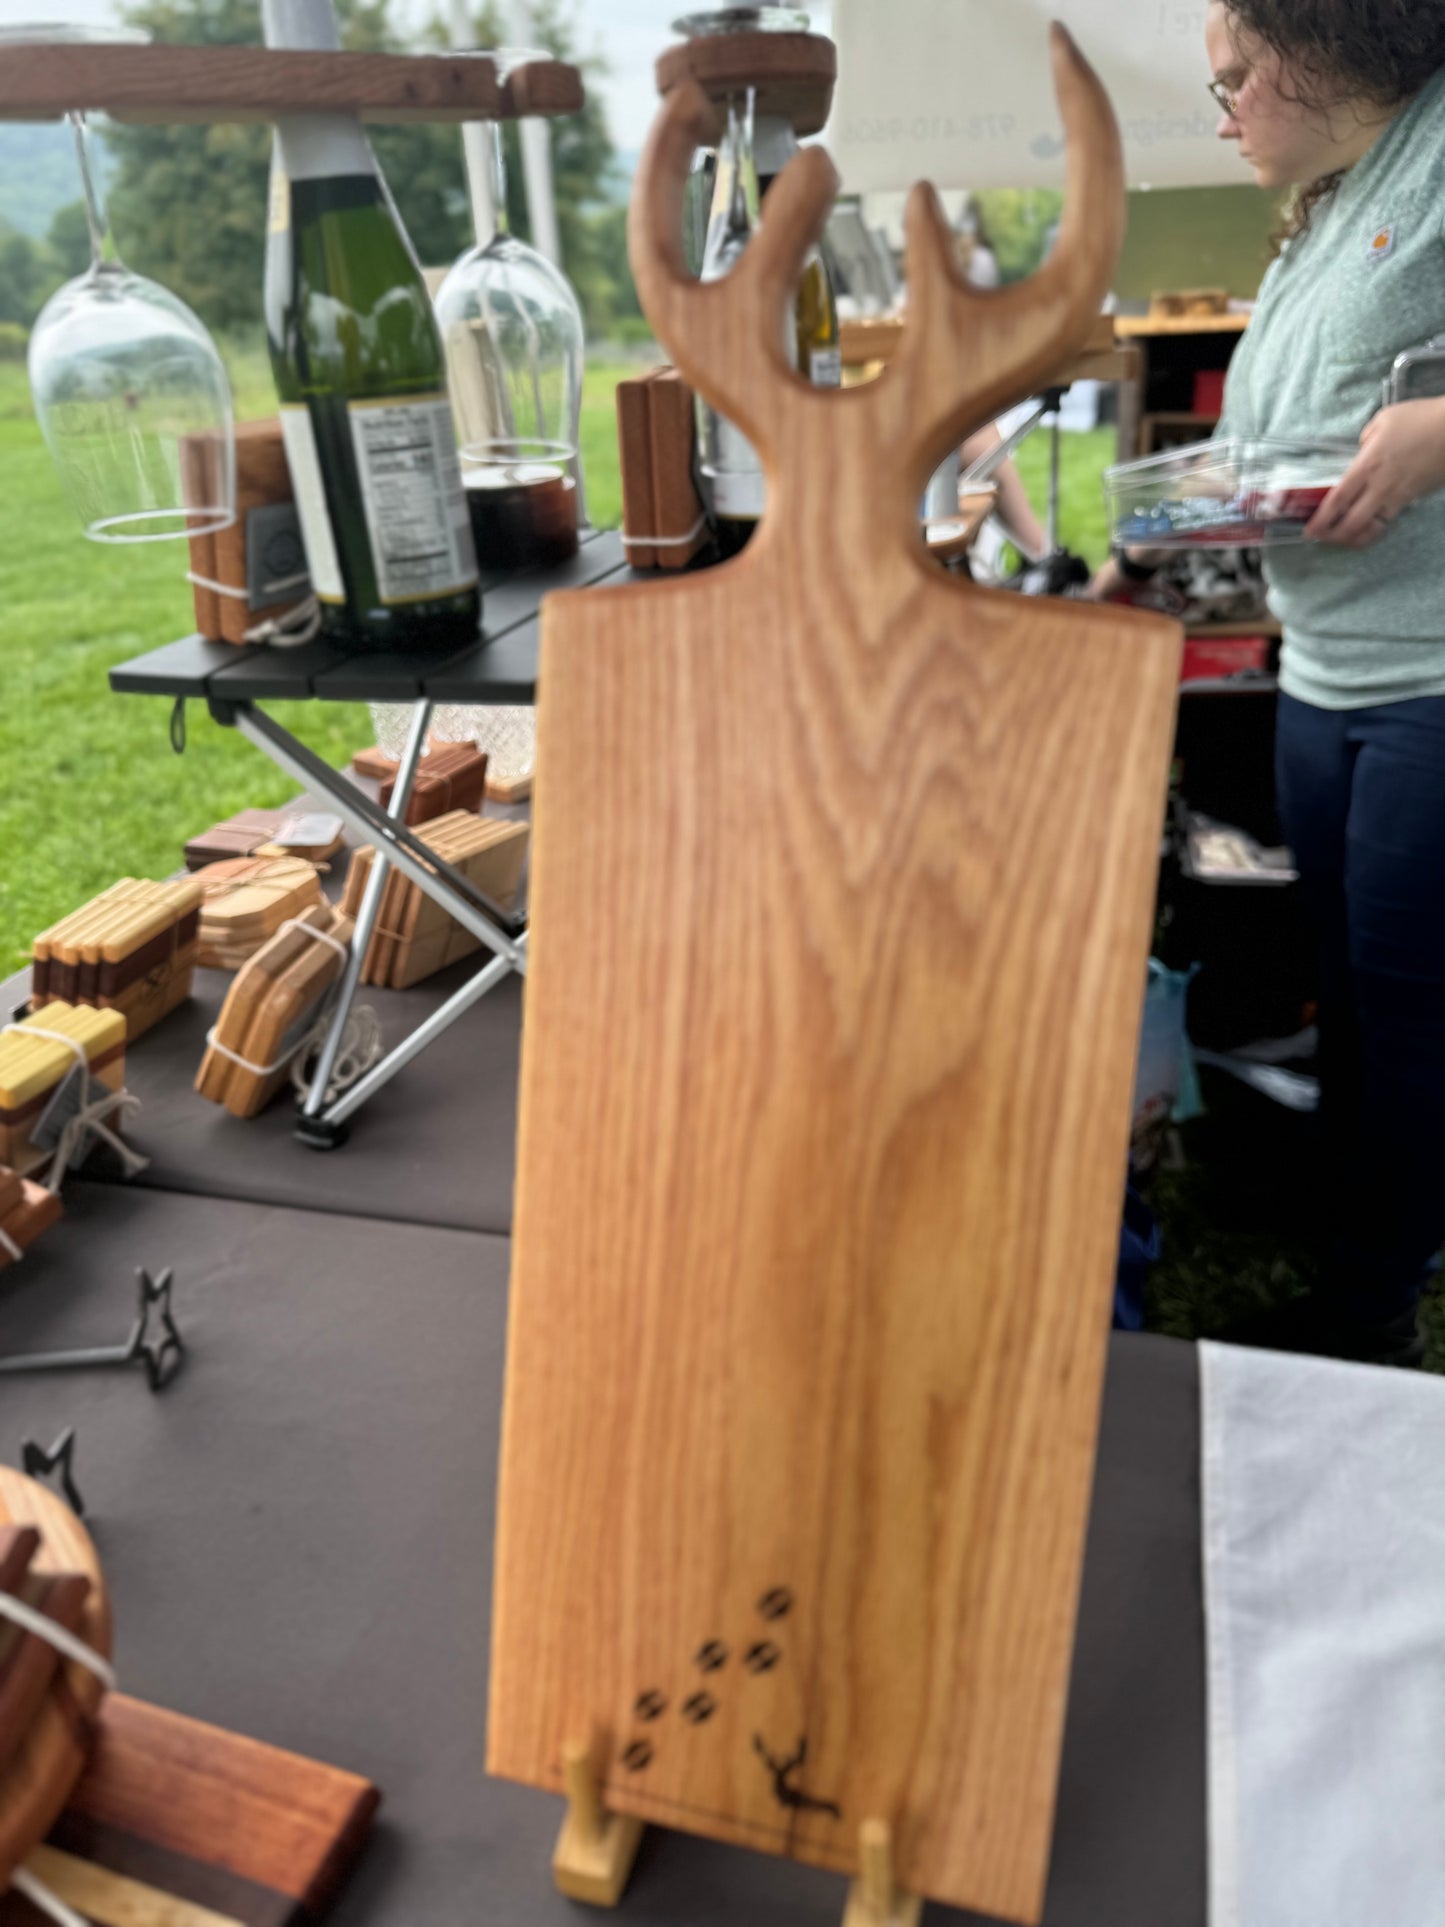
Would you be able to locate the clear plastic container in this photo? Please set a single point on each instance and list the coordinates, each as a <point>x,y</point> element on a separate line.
<point>1223,494</point>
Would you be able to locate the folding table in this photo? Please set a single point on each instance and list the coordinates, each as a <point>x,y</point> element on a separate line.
<point>499,668</point>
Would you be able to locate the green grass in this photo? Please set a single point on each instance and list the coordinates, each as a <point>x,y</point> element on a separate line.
<point>93,790</point>
<point>1083,526</point>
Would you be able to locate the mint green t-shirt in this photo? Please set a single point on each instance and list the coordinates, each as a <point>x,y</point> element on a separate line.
<point>1366,281</point>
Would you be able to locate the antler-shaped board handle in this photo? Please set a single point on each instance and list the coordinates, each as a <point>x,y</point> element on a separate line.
<point>966,353</point>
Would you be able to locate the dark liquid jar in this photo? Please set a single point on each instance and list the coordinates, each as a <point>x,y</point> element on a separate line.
<point>523,514</point>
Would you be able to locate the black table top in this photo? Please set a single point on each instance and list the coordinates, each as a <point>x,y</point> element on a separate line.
<point>500,667</point>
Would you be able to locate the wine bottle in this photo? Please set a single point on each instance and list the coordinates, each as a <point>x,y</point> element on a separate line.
<point>361,376</point>
<point>818,353</point>
<point>732,473</point>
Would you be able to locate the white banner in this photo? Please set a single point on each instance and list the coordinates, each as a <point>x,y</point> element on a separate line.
<point>960,92</point>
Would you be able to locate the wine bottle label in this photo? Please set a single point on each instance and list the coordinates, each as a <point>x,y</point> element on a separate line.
<point>416,507</point>
<point>305,466</point>
<point>825,367</point>
<point>319,147</point>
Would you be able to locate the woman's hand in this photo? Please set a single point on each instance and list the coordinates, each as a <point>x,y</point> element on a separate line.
<point>1401,458</point>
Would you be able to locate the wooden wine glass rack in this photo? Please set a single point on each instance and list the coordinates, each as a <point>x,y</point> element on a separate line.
<point>45,81</point>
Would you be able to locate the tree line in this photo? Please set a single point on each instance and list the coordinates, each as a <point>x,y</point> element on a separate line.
<point>188,204</point>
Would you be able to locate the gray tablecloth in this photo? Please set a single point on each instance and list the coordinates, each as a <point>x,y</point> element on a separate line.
<point>298,1533</point>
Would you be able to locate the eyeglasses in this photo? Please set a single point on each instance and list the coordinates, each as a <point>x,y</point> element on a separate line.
<point>1225,99</point>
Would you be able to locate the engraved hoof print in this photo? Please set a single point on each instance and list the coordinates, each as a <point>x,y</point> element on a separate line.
<point>699,1709</point>
<point>650,1706</point>
<point>712,1657</point>
<point>637,1756</point>
<point>762,1658</point>
<point>776,1604</point>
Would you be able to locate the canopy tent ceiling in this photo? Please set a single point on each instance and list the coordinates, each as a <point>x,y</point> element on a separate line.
<point>959,92</point>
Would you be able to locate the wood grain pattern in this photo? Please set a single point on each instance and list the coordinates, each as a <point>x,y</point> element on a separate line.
<point>792,73</point>
<point>267,1817</point>
<point>180,83</point>
<point>39,1776</point>
<point>1139,327</point>
<point>842,895</point>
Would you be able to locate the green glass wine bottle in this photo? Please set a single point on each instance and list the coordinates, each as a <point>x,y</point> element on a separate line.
<point>361,376</point>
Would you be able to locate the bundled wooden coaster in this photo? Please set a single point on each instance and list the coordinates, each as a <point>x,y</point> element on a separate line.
<point>414,936</point>
<point>131,949</point>
<point>451,776</point>
<point>311,834</point>
<point>33,1067</point>
<point>380,768</point>
<point>240,835</point>
<point>270,1011</point>
<point>375,763</point>
<point>314,835</point>
<point>245,902</point>
<point>662,513</point>
<point>26,1210</point>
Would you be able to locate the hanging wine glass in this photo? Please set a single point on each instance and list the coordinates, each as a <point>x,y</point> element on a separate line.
<point>130,393</point>
<point>514,345</point>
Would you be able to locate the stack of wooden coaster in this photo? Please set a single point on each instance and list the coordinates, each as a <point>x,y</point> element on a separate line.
<point>415,936</point>
<point>662,513</point>
<point>269,1011</point>
<point>451,776</point>
<point>290,832</point>
<point>315,835</point>
<point>240,835</point>
<point>33,1068</point>
<point>26,1210</point>
<point>245,902</point>
<point>133,949</point>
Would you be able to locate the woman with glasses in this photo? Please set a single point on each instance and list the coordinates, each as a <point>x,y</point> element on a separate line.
<point>1343,101</point>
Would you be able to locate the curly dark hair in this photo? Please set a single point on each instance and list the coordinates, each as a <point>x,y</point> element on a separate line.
<point>1379,51</point>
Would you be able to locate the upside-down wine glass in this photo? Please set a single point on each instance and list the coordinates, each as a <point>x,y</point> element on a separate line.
<point>512,328</point>
<point>131,395</point>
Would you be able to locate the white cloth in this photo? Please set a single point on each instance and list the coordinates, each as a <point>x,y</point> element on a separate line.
<point>960,92</point>
<point>1324,1559</point>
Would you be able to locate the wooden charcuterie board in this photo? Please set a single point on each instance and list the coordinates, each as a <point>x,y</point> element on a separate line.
<point>842,895</point>
<point>180,1824</point>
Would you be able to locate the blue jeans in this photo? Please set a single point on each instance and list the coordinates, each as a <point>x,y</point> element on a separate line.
<point>1362,796</point>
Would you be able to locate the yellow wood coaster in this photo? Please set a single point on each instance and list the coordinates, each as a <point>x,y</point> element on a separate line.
<point>595,1851</point>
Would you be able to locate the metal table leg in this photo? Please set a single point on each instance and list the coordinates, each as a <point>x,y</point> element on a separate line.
<point>397,847</point>
<point>311,1127</point>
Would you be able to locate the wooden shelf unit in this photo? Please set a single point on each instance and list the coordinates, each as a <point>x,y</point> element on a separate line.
<point>1171,351</point>
<point>215,84</point>
<point>1173,428</point>
<point>870,342</point>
